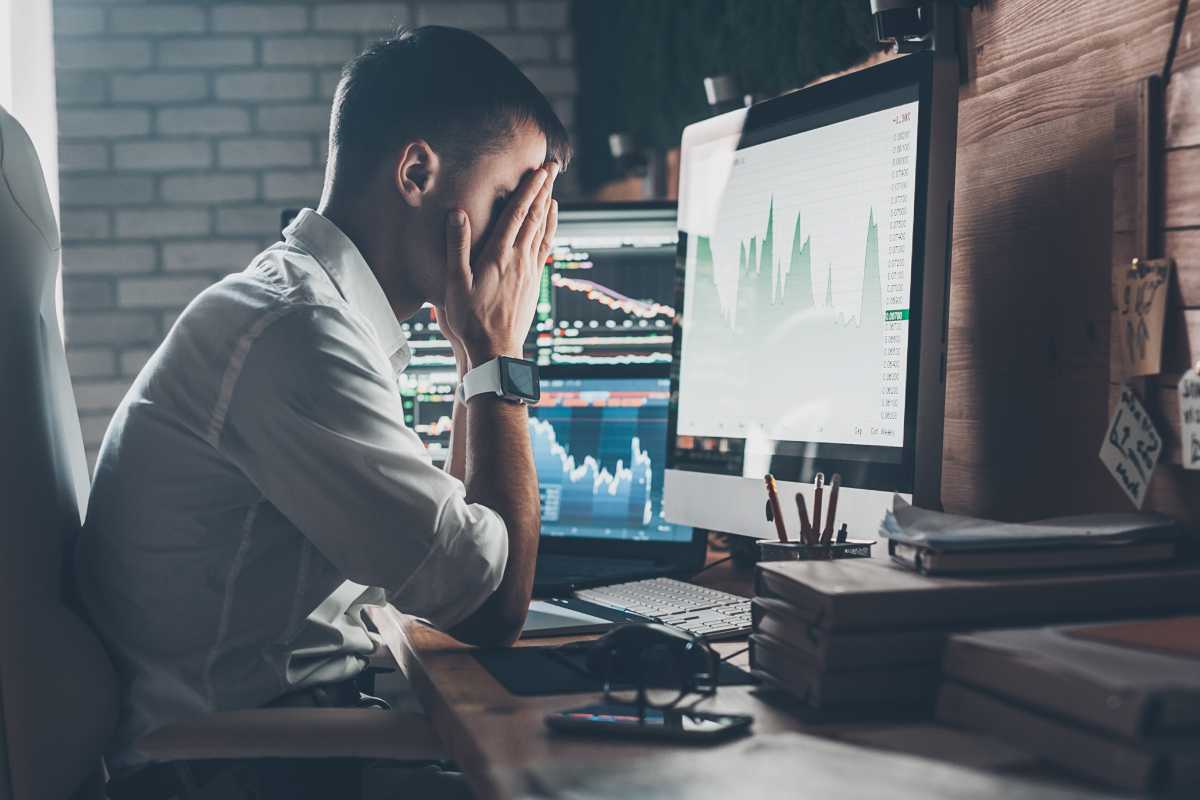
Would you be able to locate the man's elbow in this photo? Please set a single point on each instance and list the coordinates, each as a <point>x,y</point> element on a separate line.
<point>492,626</point>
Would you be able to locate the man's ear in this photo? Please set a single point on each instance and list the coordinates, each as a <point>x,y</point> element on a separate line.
<point>417,171</point>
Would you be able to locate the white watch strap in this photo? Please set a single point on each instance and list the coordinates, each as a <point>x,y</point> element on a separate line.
<point>484,378</point>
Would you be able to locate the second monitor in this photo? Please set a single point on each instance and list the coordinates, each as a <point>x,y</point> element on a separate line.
<point>606,302</point>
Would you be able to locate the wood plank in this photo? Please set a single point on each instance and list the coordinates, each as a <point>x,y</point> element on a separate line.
<point>1069,56</point>
<point>1125,125</point>
<point>1021,444</point>
<point>1019,38</point>
<point>1181,343</point>
<point>1184,247</point>
<point>1183,108</point>
<point>1125,195</point>
<point>1037,204</point>
<point>1183,188</point>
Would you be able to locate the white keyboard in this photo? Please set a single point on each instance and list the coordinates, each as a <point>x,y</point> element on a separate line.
<point>695,609</point>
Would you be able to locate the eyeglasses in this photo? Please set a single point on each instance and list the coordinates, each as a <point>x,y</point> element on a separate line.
<point>661,674</point>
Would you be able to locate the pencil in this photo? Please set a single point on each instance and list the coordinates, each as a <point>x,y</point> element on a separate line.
<point>805,530</point>
<point>776,510</point>
<point>816,519</point>
<point>831,515</point>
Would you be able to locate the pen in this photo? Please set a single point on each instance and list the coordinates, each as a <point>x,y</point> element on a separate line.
<point>773,499</point>
<point>805,530</point>
<point>816,519</point>
<point>831,515</point>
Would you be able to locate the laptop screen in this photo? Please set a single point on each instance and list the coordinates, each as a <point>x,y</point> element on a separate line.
<point>599,446</point>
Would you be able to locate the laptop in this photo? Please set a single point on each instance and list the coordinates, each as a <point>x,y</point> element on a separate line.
<point>599,446</point>
<point>603,339</point>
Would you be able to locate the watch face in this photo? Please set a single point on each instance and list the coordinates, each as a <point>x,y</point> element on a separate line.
<point>520,378</point>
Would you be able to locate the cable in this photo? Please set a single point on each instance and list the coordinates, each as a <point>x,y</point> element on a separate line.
<point>718,562</point>
<point>1176,30</point>
<point>735,654</point>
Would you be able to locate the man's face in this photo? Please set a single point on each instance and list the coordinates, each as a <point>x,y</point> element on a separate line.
<point>482,190</point>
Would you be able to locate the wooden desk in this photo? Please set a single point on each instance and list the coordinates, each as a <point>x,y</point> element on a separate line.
<point>495,736</point>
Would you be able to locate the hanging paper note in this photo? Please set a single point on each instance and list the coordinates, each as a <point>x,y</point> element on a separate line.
<point>1141,310</point>
<point>1131,446</point>
<point>1189,419</point>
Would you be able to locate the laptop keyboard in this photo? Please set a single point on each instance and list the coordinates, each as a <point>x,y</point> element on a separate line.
<point>700,611</point>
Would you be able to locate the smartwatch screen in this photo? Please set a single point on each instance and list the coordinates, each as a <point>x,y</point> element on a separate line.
<point>520,378</point>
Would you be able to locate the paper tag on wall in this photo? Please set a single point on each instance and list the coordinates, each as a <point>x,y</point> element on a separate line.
<point>1141,312</point>
<point>1131,446</point>
<point>1189,419</point>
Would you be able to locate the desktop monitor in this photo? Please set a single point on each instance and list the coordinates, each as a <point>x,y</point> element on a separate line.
<point>814,240</point>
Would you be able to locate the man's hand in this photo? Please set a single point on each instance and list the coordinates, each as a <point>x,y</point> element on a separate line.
<point>456,346</point>
<point>489,306</point>
<point>488,309</point>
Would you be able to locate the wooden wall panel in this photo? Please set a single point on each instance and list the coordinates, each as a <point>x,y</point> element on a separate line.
<point>1035,213</point>
<point>1183,112</point>
<point>1183,187</point>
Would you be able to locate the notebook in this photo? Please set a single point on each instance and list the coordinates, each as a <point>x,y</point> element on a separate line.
<point>832,651</point>
<point>874,595</point>
<point>1137,679</point>
<point>1156,768</point>
<point>789,669</point>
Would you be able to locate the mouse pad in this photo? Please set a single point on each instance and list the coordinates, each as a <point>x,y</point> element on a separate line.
<point>533,671</point>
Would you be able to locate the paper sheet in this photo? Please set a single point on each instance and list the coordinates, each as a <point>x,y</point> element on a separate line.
<point>1141,307</point>
<point>1131,446</point>
<point>1189,419</point>
<point>941,531</point>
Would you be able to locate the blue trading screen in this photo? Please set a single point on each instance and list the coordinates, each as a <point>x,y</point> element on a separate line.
<point>599,446</point>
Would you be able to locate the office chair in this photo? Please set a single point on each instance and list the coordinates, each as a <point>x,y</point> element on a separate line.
<point>58,689</point>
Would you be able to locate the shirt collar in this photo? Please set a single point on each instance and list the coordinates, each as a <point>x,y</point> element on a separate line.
<point>353,277</point>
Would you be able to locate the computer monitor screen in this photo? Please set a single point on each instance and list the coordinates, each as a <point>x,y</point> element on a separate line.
<point>803,239</point>
<point>599,447</point>
<point>608,292</point>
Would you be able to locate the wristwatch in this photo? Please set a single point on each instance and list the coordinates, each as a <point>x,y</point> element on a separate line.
<point>513,379</point>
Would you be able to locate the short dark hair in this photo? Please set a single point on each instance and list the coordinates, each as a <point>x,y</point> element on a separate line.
<point>445,85</point>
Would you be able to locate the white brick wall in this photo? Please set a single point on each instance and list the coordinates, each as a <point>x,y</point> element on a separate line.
<point>187,126</point>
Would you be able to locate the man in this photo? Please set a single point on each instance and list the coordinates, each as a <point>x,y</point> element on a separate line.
<point>258,486</point>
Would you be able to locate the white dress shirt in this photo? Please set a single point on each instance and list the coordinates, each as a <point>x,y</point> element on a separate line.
<point>256,480</point>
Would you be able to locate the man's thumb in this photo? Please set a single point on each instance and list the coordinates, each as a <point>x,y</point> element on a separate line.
<point>458,245</point>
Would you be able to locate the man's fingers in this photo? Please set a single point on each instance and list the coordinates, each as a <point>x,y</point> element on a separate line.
<point>518,208</point>
<point>548,237</point>
<point>458,247</point>
<point>532,227</point>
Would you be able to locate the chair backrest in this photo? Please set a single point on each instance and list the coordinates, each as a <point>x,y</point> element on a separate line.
<point>58,692</point>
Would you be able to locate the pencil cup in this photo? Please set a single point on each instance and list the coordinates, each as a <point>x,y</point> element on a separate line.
<point>769,550</point>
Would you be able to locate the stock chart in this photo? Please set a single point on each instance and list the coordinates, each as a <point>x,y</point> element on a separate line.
<point>599,447</point>
<point>801,278</point>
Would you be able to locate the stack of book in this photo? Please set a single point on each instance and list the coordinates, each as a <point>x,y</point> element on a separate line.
<point>869,634</point>
<point>1115,702</point>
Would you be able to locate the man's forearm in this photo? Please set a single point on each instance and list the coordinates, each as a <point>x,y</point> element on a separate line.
<point>500,475</point>
<point>456,458</point>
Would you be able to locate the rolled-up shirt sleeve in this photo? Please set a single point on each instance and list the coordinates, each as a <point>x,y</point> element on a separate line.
<point>312,414</point>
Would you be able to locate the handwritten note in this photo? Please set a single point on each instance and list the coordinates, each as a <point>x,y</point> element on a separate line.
<point>1141,310</point>
<point>1131,446</point>
<point>1189,419</point>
